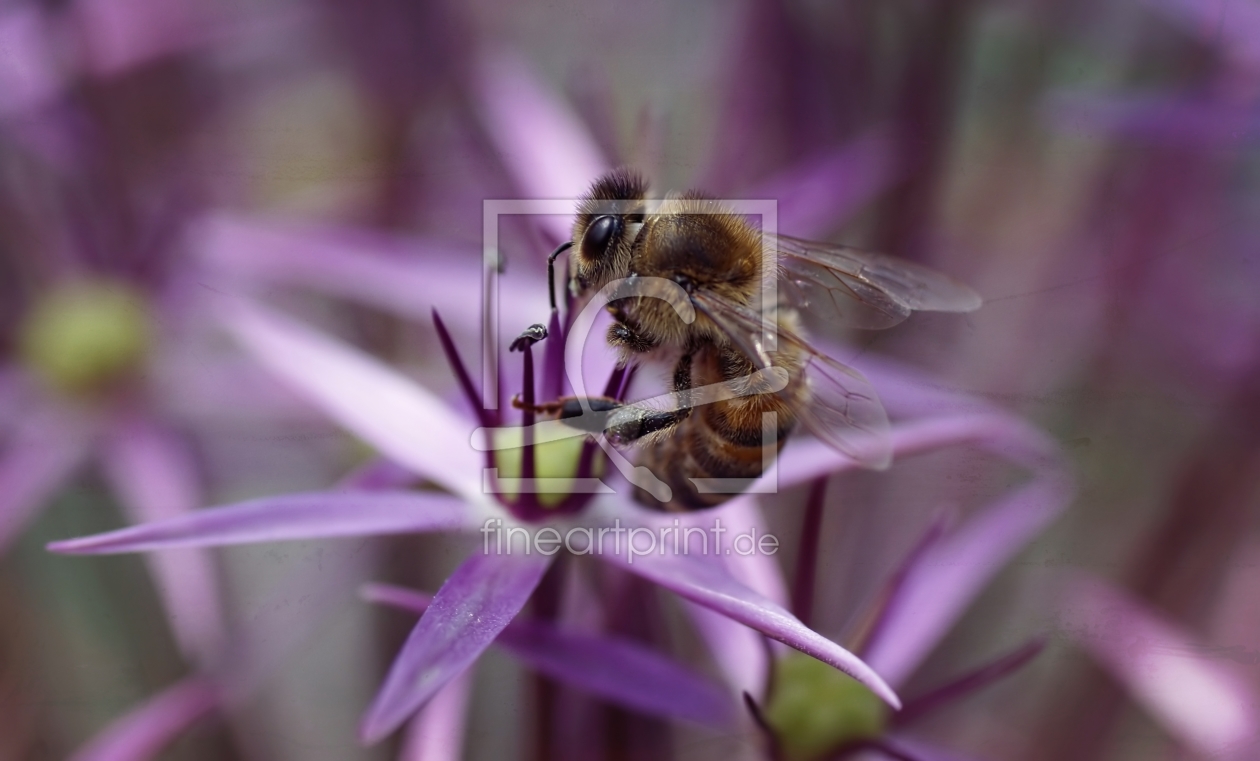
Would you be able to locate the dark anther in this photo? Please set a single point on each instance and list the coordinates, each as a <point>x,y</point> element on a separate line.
<point>551,270</point>
<point>532,335</point>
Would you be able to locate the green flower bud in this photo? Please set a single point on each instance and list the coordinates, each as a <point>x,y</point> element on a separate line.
<point>815,708</point>
<point>84,336</point>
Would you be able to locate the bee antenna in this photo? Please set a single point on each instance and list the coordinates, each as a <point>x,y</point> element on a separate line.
<point>551,270</point>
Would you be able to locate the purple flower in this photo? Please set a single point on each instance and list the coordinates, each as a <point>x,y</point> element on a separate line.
<point>804,711</point>
<point>1203,702</point>
<point>248,656</point>
<point>731,598</point>
<point>477,604</point>
<point>406,423</point>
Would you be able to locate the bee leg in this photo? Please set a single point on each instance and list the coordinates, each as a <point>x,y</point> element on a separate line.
<point>630,423</point>
<point>590,414</point>
<point>623,336</point>
<point>626,423</point>
<point>622,423</point>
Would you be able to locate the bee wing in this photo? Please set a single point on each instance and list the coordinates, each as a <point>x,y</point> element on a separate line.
<point>861,289</point>
<point>843,410</point>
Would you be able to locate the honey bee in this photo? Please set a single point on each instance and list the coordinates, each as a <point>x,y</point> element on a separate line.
<point>718,260</point>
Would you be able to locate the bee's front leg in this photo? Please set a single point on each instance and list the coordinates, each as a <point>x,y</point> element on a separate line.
<point>629,423</point>
<point>622,423</point>
<point>625,424</point>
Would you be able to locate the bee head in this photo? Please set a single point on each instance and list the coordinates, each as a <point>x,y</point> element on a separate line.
<point>608,220</point>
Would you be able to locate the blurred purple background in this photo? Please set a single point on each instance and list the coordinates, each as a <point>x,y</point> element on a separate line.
<point>1090,168</point>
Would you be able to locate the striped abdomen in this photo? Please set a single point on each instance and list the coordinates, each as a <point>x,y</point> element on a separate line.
<point>725,445</point>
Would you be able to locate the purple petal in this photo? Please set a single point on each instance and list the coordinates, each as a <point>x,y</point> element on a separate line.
<point>42,452</point>
<point>396,597</point>
<point>390,412</point>
<point>122,34</point>
<point>474,605</point>
<point>1166,118</point>
<point>819,194</point>
<point>544,144</point>
<point>316,515</point>
<point>740,652</point>
<point>437,732</point>
<point>618,670</point>
<point>916,751</point>
<point>153,475</point>
<point>230,389</point>
<point>1232,25</point>
<point>960,686</point>
<point>144,732</point>
<point>379,474</point>
<point>758,571</point>
<point>29,76</point>
<point>806,459</point>
<point>1202,701</point>
<point>908,392</point>
<point>409,277</point>
<point>941,521</point>
<point>707,583</point>
<point>952,572</point>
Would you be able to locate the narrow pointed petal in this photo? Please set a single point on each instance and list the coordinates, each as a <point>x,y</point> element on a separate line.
<point>1007,437</point>
<point>1198,698</point>
<point>389,411</point>
<point>619,670</point>
<point>474,605</point>
<point>950,573</point>
<point>123,34</point>
<point>1171,119</point>
<point>704,581</point>
<point>961,686</point>
<point>30,76</point>
<point>154,478</point>
<point>908,392</point>
<point>740,652</point>
<point>144,732</point>
<point>409,277</point>
<point>315,515</point>
<point>543,143</point>
<point>437,732</point>
<point>40,455</point>
<point>818,195</point>
<point>758,571</point>
<point>1233,27</point>
<point>903,748</point>
<point>880,614</point>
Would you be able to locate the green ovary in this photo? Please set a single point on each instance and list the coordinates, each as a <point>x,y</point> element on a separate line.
<point>84,336</point>
<point>815,708</point>
<point>553,459</point>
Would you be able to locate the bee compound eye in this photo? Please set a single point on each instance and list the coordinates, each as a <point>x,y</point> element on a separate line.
<point>599,235</point>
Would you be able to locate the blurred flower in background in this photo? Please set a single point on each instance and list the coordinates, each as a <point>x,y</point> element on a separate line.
<point>1089,167</point>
